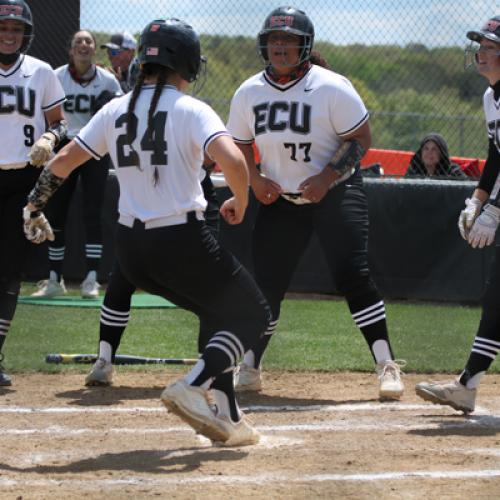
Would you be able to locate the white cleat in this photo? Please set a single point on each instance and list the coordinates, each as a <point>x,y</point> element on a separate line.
<point>240,434</point>
<point>389,374</point>
<point>191,404</point>
<point>247,378</point>
<point>90,289</point>
<point>101,373</point>
<point>50,288</point>
<point>453,394</point>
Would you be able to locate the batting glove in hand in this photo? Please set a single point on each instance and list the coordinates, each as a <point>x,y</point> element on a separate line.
<point>42,149</point>
<point>483,232</point>
<point>468,216</point>
<point>36,227</point>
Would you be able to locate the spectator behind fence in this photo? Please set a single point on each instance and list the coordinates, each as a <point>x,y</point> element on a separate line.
<point>121,51</point>
<point>87,87</point>
<point>433,160</point>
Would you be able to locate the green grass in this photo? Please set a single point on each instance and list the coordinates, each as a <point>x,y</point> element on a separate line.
<point>312,335</point>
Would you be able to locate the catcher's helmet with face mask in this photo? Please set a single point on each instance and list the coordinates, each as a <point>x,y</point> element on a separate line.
<point>289,20</point>
<point>171,43</point>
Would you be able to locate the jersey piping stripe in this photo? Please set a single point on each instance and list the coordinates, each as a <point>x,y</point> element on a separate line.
<point>21,59</point>
<point>97,156</point>
<point>54,104</point>
<point>363,120</point>
<point>214,136</point>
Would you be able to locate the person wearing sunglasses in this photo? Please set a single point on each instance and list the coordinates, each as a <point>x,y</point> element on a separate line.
<point>121,51</point>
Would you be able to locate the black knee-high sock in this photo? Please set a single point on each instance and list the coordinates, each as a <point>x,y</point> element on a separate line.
<point>225,383</point>
<point>93,254</point>
<point>111,327</point>
<point>56,253</point>
<point>8,304</point>
<point>486,345</point>
<point>222,352</point>
<point>368,312</point>
<point>253,357</point>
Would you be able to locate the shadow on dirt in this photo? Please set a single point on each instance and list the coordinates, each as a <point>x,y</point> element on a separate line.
<point>146,461</point>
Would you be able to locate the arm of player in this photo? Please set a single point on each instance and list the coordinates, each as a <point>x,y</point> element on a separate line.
<point>224,151</point>
<point>349,154</point>
<point>36,227</point>
<point>42,149</point>
<point>265,190</point>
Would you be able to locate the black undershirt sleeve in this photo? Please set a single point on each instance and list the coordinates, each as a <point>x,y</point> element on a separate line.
<point>491,168</point>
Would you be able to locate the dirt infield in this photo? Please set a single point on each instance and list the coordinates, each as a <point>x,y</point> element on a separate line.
<point>323,436</point>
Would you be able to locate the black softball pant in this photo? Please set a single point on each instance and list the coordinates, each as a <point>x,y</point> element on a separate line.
<point>186,265</point>
<point>283,230</point>
<point>93,174</point>
<point>15,186</point>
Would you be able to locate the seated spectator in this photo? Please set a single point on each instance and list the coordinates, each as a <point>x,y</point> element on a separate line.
<point>433,160</point>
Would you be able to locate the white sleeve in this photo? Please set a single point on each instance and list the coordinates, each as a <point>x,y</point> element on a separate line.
<point>92,137</point>
<point>239,124</point>
<point>114,86</point>
<point>208,127</point>
<point>348,112</point>
<point>53,93</point>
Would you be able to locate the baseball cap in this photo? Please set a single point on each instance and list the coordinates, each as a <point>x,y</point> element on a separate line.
<point>121,41</point>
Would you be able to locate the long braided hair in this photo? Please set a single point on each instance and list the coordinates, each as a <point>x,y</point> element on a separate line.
<point>146,70</point>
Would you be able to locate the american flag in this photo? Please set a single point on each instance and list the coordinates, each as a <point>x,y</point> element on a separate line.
<point>152,51</point>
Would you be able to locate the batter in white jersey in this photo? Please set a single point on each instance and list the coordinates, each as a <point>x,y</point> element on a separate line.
<point>157,137</point>
<point>30,96</point>
<point>478,224</point>
<point>311,129</point>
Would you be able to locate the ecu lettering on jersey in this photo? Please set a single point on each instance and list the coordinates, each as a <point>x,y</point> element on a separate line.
<point>17,99</point>
<point>80,103</point>
<point>280,115</point>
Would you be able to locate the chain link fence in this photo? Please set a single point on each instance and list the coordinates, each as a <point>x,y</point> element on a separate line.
<point>405,58</point>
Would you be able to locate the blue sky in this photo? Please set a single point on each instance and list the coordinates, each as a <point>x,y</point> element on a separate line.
<point>431,22</point>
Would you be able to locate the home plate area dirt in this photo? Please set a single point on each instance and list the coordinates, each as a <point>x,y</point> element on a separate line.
<point>324,435</point>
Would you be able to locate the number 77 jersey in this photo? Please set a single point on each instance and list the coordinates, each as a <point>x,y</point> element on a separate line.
<point>297,127</point>
<point>172,145</point>
<point>27,90</point>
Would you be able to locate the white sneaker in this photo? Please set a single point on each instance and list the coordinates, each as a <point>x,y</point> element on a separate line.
<point>90,288</point>
<point>101,373</point>
<point>389,374</point>
<point>191,404</point>
<point>453,394</point>
<point>240,434</point>
<point>247,378</point>
<point>50,288</point>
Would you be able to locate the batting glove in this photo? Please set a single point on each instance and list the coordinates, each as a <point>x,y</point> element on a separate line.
<point>42,149</point>
<point>483,232</point>
<point>36,226</point>
<point>468,216</point>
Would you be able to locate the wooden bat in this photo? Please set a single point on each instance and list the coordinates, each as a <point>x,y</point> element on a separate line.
<point>120,359</point>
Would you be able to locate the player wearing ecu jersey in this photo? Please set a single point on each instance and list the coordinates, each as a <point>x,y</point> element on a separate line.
<point>157,136</point>
<point>478,224</point>
<point>311,129</point>
<point>87,88</point>
<point>30,95</point>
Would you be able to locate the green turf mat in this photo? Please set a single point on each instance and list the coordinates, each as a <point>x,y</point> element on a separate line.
<point>139,300</point>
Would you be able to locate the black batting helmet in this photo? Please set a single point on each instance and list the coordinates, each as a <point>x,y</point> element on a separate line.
<point>490,31</point>
<point>19,11</point>
<point>171,43</point>
<point>291,20</point>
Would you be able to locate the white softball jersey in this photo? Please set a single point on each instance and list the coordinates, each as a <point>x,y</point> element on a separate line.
<point>81,97</point>
<point>296,127</point>
<point>492,115</point>
<point>27,89</point>
<point>183,127</point>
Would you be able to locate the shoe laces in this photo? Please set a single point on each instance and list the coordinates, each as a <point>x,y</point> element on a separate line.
<point>392,368</point>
